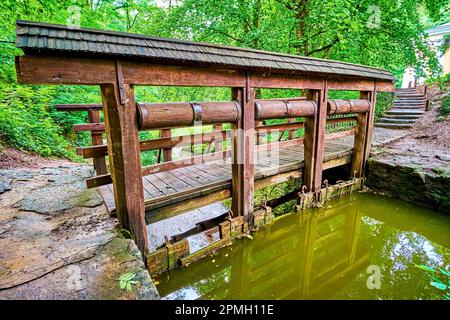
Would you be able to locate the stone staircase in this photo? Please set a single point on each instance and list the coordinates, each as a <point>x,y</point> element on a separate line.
<point>409,105</point>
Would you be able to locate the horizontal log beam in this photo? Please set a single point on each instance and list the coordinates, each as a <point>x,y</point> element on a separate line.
<point>342,106</point>
<point>185,114</point>
<point>276,109</point>
<point>94,127</point>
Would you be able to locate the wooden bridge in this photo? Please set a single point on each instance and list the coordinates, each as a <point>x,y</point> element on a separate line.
<point>118,62</point>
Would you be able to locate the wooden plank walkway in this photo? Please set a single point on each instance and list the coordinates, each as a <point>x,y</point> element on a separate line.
<point>189,184</point>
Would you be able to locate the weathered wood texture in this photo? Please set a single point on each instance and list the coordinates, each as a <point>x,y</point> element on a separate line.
<point>168,193</point>
<point>67,70</point>
<point>243,144</point>
<point>124,158</point>
<point>186,114</point>
<point>97,139</point>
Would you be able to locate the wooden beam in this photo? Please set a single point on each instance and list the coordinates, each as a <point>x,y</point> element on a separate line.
<point>162,143</point>
<point>385,86</point>
<point>339,134</point>
<point>124,158</point>
<point>362,124</point>
<point>62,70</point>
<point>243,167</point>
<point>283,81</point>
<point>314,139</point>
<point>88,71</point>
<point>97,139</point>
<point>167,152</point>
<point>371,122</point>
<point>93,127</point>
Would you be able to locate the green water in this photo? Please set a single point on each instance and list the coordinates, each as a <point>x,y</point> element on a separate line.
<point>362,246</point>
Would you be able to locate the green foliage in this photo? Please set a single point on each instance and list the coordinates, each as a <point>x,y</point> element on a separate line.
<point>439,278</point>
<point>384,101</point>
<point>25,122</point>
<point>336,29</point>
<point>126,281</point>
<point>444,110</point>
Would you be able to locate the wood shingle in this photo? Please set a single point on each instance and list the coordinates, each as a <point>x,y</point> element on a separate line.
<point>42,38</point>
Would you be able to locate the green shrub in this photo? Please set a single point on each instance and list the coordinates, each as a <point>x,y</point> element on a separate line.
<point>444,111</point>
<point>25,122</point>
<point>384,101</point>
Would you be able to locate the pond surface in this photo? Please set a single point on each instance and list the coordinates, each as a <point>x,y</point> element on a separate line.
<point>362,246</point>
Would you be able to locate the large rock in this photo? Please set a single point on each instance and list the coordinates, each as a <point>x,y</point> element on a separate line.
<point>411,182</point>
<point>57,240</point>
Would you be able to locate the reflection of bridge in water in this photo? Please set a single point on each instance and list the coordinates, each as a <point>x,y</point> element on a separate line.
<point>306,255</point>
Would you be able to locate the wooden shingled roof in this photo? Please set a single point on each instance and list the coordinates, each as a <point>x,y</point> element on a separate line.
<point>44,38</point>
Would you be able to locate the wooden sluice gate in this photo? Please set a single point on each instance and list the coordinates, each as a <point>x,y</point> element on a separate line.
<point>237,160</point>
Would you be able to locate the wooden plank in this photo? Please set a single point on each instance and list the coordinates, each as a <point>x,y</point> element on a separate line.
<point>173,181</point>
<point>153,191</point>
<point>124,157</point>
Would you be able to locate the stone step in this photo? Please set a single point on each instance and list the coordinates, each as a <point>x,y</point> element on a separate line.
<point>410,100</point>
<point>422,105</point>
<point>406,90</point>
<point>410,95</point>
<point>408,106</point>
<point>405,112</point>
<point>402,116</point>
<point>396,120</point>
<point>393,125</point>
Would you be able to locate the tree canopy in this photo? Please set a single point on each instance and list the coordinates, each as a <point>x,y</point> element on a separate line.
<point>383,33</point>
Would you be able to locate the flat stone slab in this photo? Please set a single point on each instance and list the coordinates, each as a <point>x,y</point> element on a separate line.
<point>57,240</point>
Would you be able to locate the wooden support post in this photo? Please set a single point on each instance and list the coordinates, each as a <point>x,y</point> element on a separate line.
<point>359,151</point>
<point>97,139</point>
<point>372,96</point>
<point>314,140</point>
<point>218,144</point>
<point>259,135</point>
<point>243,144</point>
<point>167,153</point>
<point>291,132</point>
<point>124,159</point>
